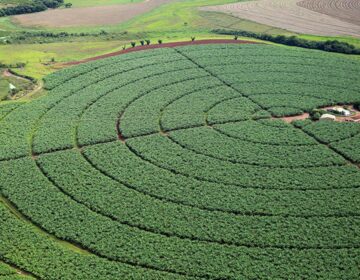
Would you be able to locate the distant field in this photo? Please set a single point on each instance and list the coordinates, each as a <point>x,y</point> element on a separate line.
<point>346,10</point>
<point>92,3</point>
<point>177,20</point>
<point>314,17</point>
<point>174,164</point>
<point>88,16</point>
<point>10,3</point>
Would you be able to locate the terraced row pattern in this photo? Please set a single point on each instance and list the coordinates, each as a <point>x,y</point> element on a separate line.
<point>173,164</point>
<point>346,10</point>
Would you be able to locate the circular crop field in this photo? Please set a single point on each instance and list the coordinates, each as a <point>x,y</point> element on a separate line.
<point>175,163</point>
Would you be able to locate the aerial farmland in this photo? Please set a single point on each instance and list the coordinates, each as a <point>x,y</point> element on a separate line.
<point>202,139</point>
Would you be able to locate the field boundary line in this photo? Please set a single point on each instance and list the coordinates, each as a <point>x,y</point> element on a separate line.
<point>333,149</point>
<point>163,45</point>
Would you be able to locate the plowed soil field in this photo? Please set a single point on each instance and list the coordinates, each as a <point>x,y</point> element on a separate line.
<point>317,17</point>
<point>89,16</point>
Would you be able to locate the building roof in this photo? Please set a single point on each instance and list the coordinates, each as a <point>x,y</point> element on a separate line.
<point>328,116</point>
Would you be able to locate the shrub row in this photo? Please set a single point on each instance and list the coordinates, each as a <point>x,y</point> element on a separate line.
<point>329,45</point>
<point>30,7</point>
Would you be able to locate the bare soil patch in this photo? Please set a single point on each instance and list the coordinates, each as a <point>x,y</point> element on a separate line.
<point>89,16</point>
<point>164,45</point>
<point>292,16</point>
<point>355,117</point>
<point>295,118</point>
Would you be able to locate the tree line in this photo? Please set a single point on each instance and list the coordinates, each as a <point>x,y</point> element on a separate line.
<point>329,45</point>
<point>31,7</point>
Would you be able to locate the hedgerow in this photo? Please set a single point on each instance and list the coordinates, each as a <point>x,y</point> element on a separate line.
<point>175,164</point>
<point>329,45</point>
<point>32,6</point>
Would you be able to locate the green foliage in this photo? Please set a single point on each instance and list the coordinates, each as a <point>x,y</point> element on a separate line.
<point>171,164</point>
<point>357,105</point>
<point>30,7</point>
<point>343,137</point>
<point>329,45</point>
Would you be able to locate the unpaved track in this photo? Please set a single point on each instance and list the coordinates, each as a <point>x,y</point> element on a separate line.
<point>346,10</point>
<point>90,16</point>
<point>37,87</point>
<point>288,14</point>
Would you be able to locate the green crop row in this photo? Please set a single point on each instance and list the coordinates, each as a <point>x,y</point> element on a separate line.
<point>225,54</point>
<point>115,159</point>
<point>264,132</point>
<point>160,151</point>
<point>329,132</point>
<point>342,137</point>
<point>57,127</point>
<point>6,109</point>
<point>102,194</point>
<point>61,215</point>
<point>70,74</point>
<point>217,146</point>
<point>35,252</point>
<point>151,109</point>
<point>9,273</point>
<point>205,183</point>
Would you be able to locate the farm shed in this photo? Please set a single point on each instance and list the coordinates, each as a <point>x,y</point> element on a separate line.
<point>328,117</point>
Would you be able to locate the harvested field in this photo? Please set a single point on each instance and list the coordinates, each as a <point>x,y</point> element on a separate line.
<point>346,10</point>
<point>317,17</point>
<point>90,16</point>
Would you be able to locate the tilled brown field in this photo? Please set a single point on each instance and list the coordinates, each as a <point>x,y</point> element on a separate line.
<point>318,17</point>
<point>346,10</point>
<point>90,16</point>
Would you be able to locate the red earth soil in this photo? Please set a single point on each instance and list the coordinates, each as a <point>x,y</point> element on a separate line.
<point>294,118</point>
<point>164,45</point>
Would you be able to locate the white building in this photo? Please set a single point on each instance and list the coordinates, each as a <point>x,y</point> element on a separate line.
<point>328,117</point>
<point>12,87</point>
<point>341,111</point>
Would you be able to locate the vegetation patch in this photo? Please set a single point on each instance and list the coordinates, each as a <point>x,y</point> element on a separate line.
<point>329,45</point>
<point>17,7</point>
<point>170,164</point>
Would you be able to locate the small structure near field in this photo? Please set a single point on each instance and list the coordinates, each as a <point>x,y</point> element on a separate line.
<point>12,87</point>
<point>340,111</point>
<point>328,117</point>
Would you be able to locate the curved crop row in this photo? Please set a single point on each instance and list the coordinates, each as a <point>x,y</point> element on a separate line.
<point>173,164</point>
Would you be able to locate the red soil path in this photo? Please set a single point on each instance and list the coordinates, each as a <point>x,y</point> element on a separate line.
<point>164,45</point>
